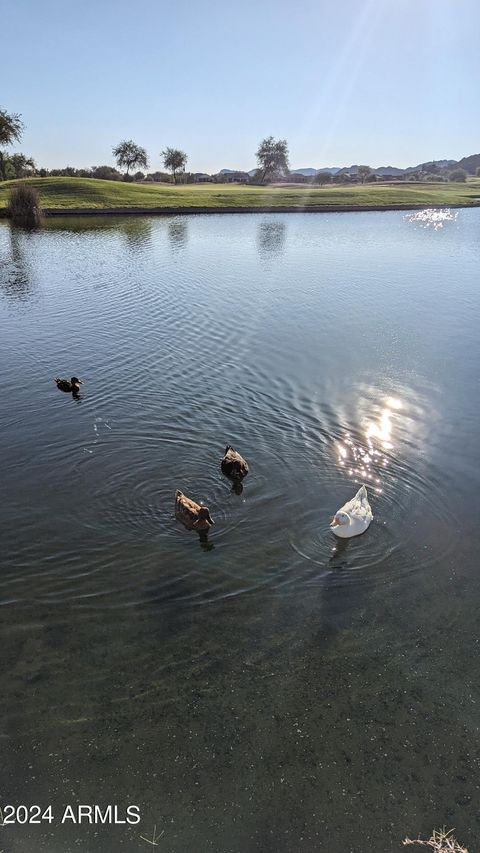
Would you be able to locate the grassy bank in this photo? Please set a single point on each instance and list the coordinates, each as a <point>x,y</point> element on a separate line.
<point>90,194</point>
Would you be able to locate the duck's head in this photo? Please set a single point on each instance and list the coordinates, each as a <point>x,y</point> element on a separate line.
<point>339,518</point>
<point>76,382</point>
<point>204,515</point>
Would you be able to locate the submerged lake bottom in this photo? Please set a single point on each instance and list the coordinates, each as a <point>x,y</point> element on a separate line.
<point>274,689</point>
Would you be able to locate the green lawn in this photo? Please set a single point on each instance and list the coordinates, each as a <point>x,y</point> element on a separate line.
<point>89,193</point>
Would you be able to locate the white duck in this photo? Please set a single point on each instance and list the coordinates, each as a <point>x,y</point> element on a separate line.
<point>354,517</point>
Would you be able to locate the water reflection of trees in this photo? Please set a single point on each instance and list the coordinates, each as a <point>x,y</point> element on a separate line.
<point>135,229</point>
<point>177,229</point>
<point>271,238</point>
<point>137,232</point>
<point>16,275</point>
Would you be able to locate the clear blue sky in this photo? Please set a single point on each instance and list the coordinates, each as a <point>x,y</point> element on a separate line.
<point>383,82</point>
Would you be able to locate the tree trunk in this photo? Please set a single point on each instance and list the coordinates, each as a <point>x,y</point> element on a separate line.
<point>2,167</point>
<point>174,176</point>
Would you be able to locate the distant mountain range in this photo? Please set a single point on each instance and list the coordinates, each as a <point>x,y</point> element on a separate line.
<point>470,164</point>
<point>391,171</point>
<point>309,172</point>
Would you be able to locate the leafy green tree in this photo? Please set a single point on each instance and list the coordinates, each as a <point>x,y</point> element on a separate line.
<point>11,129</point>
<point>22,166</point>
<point>272,157</point>
<point>8,170</point>
<point>458,175</point>
<point>129,155</point>
<point>174,160</point>
<point>323,178</point>
<point>364,172</point>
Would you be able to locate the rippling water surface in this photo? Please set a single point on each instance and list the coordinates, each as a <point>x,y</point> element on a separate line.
<point>274,689</point>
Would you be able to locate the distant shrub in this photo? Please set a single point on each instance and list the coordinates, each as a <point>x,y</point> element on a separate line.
<point>67,172</point>
<point>24,207</point>
<point>164,177</point>
<point>478,172</point>
<point>106,173</point>
<point>139,176</point>
<point>458,175</point>
<point>128,178</point>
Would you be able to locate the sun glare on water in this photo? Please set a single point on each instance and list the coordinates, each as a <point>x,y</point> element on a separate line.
<point>362,461</point>
<point>432,217</point>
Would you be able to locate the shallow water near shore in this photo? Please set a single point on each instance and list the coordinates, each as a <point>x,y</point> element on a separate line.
<point>279,690</point>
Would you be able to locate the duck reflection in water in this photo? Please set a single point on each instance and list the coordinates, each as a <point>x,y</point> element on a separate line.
<point>338,552</point>
<point>205,543</point>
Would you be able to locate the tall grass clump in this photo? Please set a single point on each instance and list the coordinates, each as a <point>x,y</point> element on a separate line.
<point>24,206</point>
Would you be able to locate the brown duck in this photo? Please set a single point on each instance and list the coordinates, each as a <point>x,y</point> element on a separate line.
<point>69,385</point>
<point>233,465</point>
<point>194,516</point>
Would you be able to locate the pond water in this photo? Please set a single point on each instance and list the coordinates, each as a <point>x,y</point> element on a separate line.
<point>274,690</point>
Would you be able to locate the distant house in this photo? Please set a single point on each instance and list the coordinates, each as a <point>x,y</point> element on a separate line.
<point>201,178</point>
<point>232,177</point>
